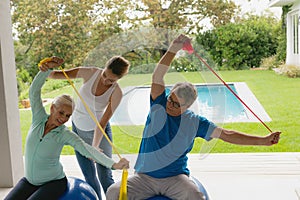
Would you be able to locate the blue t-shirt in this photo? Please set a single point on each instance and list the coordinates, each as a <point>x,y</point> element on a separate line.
<point>167,140</point>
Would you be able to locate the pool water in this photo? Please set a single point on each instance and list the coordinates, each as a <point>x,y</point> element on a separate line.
<point>218,104</point>
<point>215,102</point>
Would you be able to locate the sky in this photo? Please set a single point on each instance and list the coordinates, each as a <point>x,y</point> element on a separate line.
<point>258,7</point>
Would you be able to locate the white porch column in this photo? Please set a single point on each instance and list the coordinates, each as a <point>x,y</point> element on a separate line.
<point>289,37</point>
<point>11,163</point>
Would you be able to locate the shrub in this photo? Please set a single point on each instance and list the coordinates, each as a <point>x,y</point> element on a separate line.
<point>143,69</point>
<point>23,81</point>
<point>183,64</point>
<point>241,45</point>
<point>292,71</point>
<point>270,62</point>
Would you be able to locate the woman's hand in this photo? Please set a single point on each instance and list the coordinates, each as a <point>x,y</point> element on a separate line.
<point>51,63</point>
<point>123,163</point>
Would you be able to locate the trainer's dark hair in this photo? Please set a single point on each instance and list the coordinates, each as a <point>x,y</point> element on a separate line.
<point>118,65</point>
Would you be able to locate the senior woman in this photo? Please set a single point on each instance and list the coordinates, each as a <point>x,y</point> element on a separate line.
<point>44,175</point>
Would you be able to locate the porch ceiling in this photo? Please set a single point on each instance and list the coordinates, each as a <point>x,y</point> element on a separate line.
<point>280,3</point>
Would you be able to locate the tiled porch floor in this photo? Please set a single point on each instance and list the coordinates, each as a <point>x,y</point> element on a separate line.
<point>237,176</point>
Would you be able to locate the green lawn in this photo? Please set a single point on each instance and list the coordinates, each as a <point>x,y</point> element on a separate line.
<point>279,96</point>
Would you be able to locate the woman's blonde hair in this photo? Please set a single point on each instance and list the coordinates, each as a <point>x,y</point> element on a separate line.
<point>64,100</point>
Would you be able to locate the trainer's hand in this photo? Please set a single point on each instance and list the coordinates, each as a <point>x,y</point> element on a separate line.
<point>123,163</point>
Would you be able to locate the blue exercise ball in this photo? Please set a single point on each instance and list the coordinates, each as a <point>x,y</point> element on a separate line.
<point>196,181</point>
<point>79,190</point>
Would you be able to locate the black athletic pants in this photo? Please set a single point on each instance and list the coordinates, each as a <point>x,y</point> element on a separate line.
<point>51,190</point>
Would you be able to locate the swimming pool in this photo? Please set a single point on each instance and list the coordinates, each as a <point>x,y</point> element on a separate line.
<point>215,102</point>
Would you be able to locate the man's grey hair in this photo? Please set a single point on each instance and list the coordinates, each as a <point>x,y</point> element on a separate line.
<point>187,91</point>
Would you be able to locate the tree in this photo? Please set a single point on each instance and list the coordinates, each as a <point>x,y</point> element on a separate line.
<point>188,16</point>
<point>183,14</point>
<point>65,28</point>
<point>72,29</point>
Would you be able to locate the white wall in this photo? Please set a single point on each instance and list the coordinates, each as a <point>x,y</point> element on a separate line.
<point>11,164</point>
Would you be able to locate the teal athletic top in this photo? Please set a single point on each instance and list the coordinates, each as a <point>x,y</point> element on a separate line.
<point>168,139</point>
<point>42,153</point>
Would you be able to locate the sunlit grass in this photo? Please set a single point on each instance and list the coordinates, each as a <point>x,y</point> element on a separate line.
<point>279,96</point>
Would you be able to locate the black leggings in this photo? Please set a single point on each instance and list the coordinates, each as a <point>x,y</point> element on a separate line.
<point>51,190</point>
